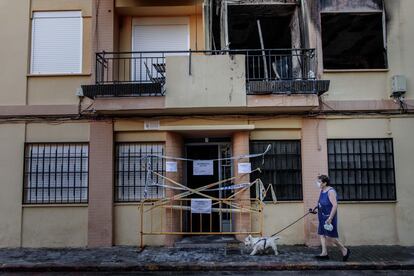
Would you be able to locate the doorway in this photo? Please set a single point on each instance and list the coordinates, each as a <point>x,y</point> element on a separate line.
<point>221,169</point>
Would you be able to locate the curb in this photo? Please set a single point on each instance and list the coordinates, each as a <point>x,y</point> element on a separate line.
<point>53,267</point>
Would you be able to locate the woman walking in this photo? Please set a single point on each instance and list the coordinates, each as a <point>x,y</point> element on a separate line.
<point>327,216</point>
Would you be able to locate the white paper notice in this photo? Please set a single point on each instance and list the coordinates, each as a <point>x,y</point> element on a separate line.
<point>203,167</point>
<point>201,206</point>
<point>244,167</point>
<point>171,166</point>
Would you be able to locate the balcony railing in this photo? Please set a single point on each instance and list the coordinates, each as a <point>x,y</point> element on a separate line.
<point>277,71</point>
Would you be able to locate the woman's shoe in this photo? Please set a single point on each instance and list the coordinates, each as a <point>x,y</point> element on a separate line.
<point>346,257</point>
<point>322,257</point>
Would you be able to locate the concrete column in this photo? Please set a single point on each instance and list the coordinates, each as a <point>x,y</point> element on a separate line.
<point>103,24</point>
<point>173,148</point>
<point>314,162</point>
<point>240,147</point>
<point>100,208</point>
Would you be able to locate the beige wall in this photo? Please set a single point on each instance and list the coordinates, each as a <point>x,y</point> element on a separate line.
<point>401,41</point>
<point>358,86</point>
<point>380,223</point>
<point>11,171</point>
<point>85,6</point>
<point>196,32</point>
<point>268,127</point>
<point>53,5</point>
<point>278,216</point>
<point>403,133</point>
<point>14,19</point>
<point>57,226</point>
<point>127,225</point>
<point>359,223</point>
<point>133,136</point>
<point>64,132</point>
<point>358,128</point>
<point>43,90</point>
<point>371,85</point>
<point>126,21</point>
<point>275,134</point>
<point>197,89</point>
<point>16,87</point>
<point>367,223</point>
<point>61,89</point>
<point>45,226</point>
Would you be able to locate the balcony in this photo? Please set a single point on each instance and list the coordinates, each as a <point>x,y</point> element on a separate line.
<point>172,73</point>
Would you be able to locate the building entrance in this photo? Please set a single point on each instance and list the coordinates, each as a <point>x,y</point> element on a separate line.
<point>213,171</point>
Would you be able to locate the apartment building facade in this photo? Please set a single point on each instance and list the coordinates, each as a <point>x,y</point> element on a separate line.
<point>97,93</point>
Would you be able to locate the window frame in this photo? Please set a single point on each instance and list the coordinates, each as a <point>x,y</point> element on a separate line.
<point>32,48</point>
<point>73,201</point>
<point>299,186</point>
<point>361,199</point>
<point>117,198</point>
<point>384,38</point>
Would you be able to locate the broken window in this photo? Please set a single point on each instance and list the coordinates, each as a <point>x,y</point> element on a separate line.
<point>354,39</point>
<point>270,33</point>
<point>274,20</point>
<point>256,27</point>
<point>235,24</point>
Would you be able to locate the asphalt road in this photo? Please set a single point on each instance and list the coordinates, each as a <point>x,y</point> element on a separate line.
<point>232,273</point>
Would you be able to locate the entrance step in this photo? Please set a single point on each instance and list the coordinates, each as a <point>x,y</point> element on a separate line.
<point>208,241</point>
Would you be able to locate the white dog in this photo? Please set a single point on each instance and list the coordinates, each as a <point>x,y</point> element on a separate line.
<point>260,245</point>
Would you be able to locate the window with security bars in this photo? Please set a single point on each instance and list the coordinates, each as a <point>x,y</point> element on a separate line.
<point>56,173</point>
<point>132,176</point>
<point>281,168</point>
<point>362,169</point>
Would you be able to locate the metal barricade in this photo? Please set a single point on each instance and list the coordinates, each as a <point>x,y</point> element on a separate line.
<point>229,216</point>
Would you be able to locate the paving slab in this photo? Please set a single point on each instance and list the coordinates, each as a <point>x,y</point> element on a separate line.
<point>127,259</point>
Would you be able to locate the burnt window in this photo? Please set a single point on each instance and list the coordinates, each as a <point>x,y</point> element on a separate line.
<point>281,168</point>
<point>132,178</point>
<point>56,173</point>
<point>270,27</point>
<point>353,40</point>
<point>275,24</point>
<point>362,169</point>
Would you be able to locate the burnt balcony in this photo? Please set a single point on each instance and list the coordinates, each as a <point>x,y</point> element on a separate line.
<point>269,71</point>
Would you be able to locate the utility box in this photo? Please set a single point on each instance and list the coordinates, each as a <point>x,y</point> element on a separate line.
<point>399,85</point>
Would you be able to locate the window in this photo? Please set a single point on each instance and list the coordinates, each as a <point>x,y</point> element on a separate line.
<point>56,42</point>
<point>281,168</point>
<point>56,173</point>
<point>131,174</point>
<point>362,169</point>
<point>160,34</point>
<point>353,40</point>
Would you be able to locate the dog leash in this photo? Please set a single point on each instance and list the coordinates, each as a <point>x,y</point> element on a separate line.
<point>310,211</point>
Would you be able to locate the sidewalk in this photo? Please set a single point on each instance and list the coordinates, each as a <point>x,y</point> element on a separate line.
<point>127,259</point>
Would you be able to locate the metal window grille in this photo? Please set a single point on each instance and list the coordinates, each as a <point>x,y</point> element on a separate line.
<point>282,168</point>
<point>131,174</point>
<point>362,169</point>
<point>56,173</point>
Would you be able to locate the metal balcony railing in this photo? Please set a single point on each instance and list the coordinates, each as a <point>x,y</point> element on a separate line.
<point>267,71</point>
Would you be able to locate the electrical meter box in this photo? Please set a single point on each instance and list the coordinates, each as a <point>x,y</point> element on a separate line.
<point>399,85</point>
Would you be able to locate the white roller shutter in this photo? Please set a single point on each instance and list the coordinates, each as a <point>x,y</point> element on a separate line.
<point>161,38</point>
<point>161,34</point>
<point>56,42</point>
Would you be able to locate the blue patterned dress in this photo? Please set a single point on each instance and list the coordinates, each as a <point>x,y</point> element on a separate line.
<point>324,210</point>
